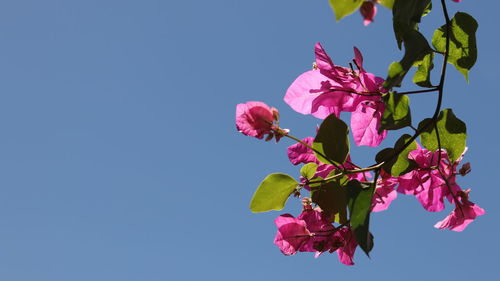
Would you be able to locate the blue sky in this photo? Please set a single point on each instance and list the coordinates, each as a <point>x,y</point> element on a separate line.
<point>120,160</point>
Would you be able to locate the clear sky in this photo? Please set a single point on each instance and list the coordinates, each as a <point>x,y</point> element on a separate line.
<point>120,160</point>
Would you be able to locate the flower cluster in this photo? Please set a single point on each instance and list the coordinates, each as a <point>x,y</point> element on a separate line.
<point>312,231</point>
<point>336,215</point>
<point>331,89</point>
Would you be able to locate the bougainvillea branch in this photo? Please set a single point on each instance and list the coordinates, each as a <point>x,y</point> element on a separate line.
<point>341,194</point>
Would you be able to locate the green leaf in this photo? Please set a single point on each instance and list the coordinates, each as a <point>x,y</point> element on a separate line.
<point>387,3</point>
<point>452,133</point>
<point>272,193</point>
<point>416,48</point>
<point>359,201</point>
<point>332,140</point>
<point>397,112</point>
<point>399,165</point>
<point>422,76</point>
<point>406,15</point>
<point>463,51</point>
<point>331,198</point>
<point>308,170</point>
<point>344,8</point>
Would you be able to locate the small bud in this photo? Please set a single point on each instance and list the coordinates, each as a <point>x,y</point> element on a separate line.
<point>465,169</point>
<point>368,10</point>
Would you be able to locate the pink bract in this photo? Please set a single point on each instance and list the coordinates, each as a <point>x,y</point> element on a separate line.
<point>365,123</point>
<point>426,181</point>
<point>331,89</point>
<point>255,118</point>
<point>464,213</point>
<point>292,234</point>
<point>311,231</point>
<point>299,153</point>
<point>346,252</point>
<point>384,192</point>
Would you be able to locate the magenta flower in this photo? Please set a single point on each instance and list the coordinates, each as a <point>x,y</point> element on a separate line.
<point>256,119</point>
<point>365,123</point>
<point>384,192</point>
<point>299,153</point>
<point>349,244</point>
<point>368,10</point>
<point>321,229</point>
<point>426,181</point>
<point>292,234</point>
<point>311,231</point>
<point>331,89</point>
<point>463,214</point>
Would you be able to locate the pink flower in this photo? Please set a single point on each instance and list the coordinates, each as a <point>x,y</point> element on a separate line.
<point>311,231</point>
<point>457,1</point>
<point>331,89</point>
<point>256,119</point>
<point>299,153</point>
<point>426,182</point>
<point>321,229</point>
<point>365,123</point>
<point>349,244</point>
<point>292,234</point>
<point>327,88</point>
<point>368,10</point>
<point>308,232</point>
<point>384,192</point>
<point>463,214</point>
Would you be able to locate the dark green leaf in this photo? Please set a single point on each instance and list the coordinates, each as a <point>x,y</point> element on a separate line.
<point>344,8</point>
<point>359,201</point>
<point>452,133</point>
<point>422,76</point>
<point>331,198</point>
<point>397,112</point>
<point>308,170</point>
<point>463,51</point>
<point>406,15</point>
<point>332,140</point>
<point>272,193</point>
<point>399,165</point>
<point>416,48</point>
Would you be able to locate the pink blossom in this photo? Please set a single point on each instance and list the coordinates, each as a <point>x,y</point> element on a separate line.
<point>292,234</point>
<point>331,89</point>
<point>255,119</point>
<point>349,244</point>
<point>368,10</point>
<point>464,213</point>
<point>321,229</point>
<point>457,1</point>
<point>428,183</point>
<point>327,89</point>
<point>299,153</point>
<point>384,192</point>
<point>311,231</point>
<point>365,123</point>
